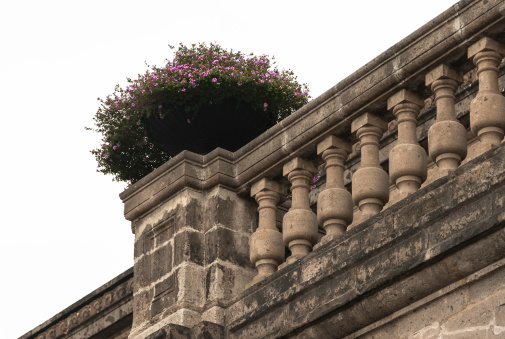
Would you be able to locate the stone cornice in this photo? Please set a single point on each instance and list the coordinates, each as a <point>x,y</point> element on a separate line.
<point>116,292</point>
<point>444,39</point>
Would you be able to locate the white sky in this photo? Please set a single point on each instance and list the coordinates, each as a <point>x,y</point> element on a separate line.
<point>63,231</point>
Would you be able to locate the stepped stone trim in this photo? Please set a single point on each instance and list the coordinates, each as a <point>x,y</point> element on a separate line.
<point>88,316</point>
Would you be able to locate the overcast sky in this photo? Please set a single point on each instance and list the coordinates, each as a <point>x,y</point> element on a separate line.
<point>63,230</point>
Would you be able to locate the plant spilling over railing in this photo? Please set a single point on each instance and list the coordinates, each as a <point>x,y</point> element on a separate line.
<point>196,78</point>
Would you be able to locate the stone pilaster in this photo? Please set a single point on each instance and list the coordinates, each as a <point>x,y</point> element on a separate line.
<point>334,203</point>
<point>191,254</point>
<point>407,160</point>
<point>447,141</point>
<point>487,109</point>
<point>299,226</point>
<point>266,247</point>
<point>370,183</point>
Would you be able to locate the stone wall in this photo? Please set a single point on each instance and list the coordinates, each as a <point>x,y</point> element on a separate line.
<point>402,236</point>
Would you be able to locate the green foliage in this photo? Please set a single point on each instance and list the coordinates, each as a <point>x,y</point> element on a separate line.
<point>197,77</point>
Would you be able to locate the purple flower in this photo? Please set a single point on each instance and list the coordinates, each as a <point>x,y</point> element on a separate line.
<point>106,156</point>
<point>160,106</point>
<point>127,117</point>
<point>138,123</point>
<point>133,104</point>
<point>189,121</point>
<point>265,105</point>
<point>214,79</point>
<point>114,147</point>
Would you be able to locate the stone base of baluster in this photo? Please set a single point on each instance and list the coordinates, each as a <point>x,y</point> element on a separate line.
<point>489,139</point>
<point>265,267</point>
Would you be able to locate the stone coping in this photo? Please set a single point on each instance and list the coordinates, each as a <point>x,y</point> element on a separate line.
<point>111,285</point>
<point>425,242</point>
<point>444,39</point>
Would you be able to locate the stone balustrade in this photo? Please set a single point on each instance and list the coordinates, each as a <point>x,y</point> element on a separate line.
<point>403,124</point>
<point>407,169</point>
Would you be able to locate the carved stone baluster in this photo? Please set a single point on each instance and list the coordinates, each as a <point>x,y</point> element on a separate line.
<point>370,183</point>
<point>299,226</point>
<point>407,160</point>
<point>334,203</point>
<point>447,141</point>
<point>487,109</point>
<point>266,246</point>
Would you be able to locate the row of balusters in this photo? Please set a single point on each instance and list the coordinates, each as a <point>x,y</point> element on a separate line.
<point>447,145</point>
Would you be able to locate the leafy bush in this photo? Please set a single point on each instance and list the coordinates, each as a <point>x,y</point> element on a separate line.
<point>197,77</point>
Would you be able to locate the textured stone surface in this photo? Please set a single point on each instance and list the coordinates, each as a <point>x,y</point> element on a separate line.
<point>430,265</point>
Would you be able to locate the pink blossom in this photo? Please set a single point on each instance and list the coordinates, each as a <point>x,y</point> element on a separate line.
<point>133,104</point>
<point>214,79</point>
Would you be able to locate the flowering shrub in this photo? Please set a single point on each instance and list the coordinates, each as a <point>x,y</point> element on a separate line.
<point>197,77</point>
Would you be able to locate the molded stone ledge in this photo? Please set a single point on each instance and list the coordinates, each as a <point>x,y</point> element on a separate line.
<point>425,242</point>
<point>109,306</point>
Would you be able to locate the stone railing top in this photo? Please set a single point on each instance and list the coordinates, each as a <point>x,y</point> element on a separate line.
<point>445,39</point>
<point>79,312</point>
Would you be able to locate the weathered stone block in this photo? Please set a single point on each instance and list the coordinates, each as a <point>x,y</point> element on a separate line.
<point>224,282</point>
<point>191,284</point>
<point>164,294</point>
<point>207,330</point>
<point>189,215</point>
<point>164,229</point>
<point>230,212</point>
<point>142,272</point>
<point>161,262</point>
<point>189,247</point>
<point>141,307</point>
<point>228,245</point>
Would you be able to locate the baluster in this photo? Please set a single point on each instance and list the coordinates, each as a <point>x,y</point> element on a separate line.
<point>267,248</point>
<point>299,226</point>
<point>407,160</point>
<point>370,183</point>
<point>447,141</point>
<point>487,109</point>
<point>334,203</point>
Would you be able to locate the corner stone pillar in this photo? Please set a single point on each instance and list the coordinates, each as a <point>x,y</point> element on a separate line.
<point>407,160</point>
<point>447,141</point>
<point>370,183</point>
<point>299,225</point>
<point>487,109</point>
<point>191,256</point>
<point>334,203</point>
<point>267,248</point>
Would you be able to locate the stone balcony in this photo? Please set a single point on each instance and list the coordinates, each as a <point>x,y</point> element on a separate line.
<point>395,227</point>
<point>396,177</point>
